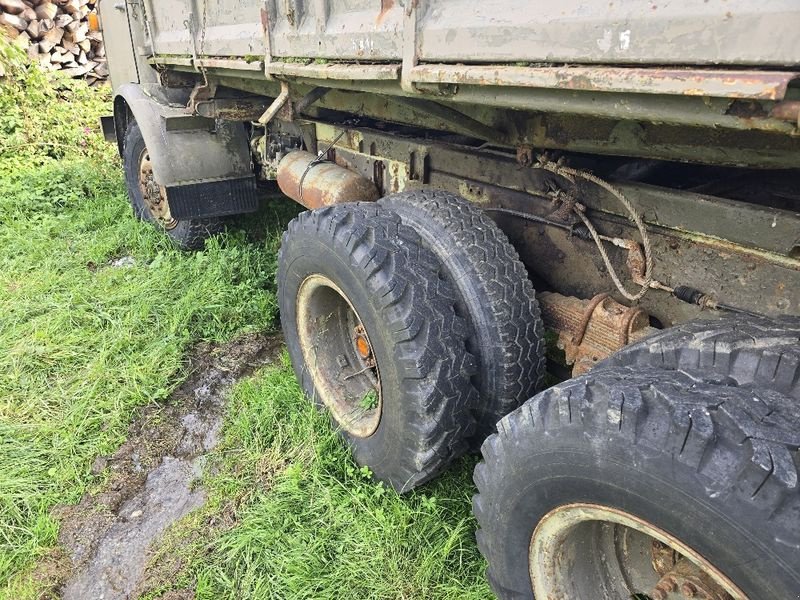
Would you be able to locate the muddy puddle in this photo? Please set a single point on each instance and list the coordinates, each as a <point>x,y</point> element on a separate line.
<point>151,479</point>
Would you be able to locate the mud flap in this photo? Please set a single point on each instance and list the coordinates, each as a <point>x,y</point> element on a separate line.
<point>204,164</point>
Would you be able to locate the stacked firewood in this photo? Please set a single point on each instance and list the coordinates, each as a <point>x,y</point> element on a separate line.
<point>57,35</point>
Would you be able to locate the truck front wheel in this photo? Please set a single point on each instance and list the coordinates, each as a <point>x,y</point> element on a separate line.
<point>149,200</point>
<point>635,482</point>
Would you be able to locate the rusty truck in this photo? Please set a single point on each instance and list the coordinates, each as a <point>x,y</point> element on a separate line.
<point>563,234</point>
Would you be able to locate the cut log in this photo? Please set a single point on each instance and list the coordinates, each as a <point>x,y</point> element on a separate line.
<point>8,31</point>
<point>101,70</point>
<point>62,20</point>
<point>58,57</point>
<point>33,30</point>
<point>46,10</point>
<point>75,71</point>
<point>13,7</point>
<point>14,21</point>
<point>55,35</point>
<point>23,40</point>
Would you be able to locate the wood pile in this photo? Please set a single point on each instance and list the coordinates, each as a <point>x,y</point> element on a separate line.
<point>56,34</point>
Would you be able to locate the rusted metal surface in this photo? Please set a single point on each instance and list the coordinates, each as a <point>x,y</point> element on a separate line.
<point>560,566</point>
<point>277,104</point>
<point>591,330</point>
<point>231,109</point>
<point>154,196</point>
<point>315,184</point>
<point>679,575</point>
<point>624,96</point>
<point>347,380</point>
<point>789,110</point>
<point>352,72</point>
<point>706,242</point>
<point>761,85</point>
<point>232,64</point>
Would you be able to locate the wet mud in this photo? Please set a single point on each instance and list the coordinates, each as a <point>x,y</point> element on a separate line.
<point>152,480</point>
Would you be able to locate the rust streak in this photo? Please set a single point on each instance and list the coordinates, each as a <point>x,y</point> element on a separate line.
<point>264,20</point>
<point>386,6</point>
<point>787,111</point>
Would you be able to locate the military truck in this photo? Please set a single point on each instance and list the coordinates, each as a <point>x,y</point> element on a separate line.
<point>606,191</point>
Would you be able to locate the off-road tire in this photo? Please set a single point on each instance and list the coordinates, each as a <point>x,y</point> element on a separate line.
<point>494,295</point>
<point>737,349</point>
<point>188,234</point>
<point>716,466</point>
<point>394,285</point>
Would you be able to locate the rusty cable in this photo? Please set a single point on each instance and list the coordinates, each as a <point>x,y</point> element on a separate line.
<point>569,174</point>
<point>575,229</point>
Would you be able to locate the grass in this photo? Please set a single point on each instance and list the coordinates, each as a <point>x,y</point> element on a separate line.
<point>84,343</point>
<point>291,516</point>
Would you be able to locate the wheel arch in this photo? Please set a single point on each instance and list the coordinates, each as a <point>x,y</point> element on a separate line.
<point>205,165</point>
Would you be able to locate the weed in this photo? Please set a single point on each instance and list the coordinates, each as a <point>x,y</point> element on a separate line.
<point>369,401</point>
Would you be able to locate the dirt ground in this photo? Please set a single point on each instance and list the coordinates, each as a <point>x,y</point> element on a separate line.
<point>150,481</point>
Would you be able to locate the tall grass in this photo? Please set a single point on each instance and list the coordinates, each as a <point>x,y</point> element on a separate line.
<point>82,342</point>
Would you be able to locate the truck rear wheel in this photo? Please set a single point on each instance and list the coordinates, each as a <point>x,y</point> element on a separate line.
<point>494,295</point>
<point>149,200</point>
<point>374,339</point>
<point>740,349</point>
<point>635,482</point>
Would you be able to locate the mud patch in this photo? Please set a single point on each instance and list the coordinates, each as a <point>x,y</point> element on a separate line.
<point>151,479</point>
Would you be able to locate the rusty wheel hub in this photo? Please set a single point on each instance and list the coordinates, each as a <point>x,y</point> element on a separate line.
<point>588,551</point>
<point>154,195</point>
<point>682,577</point>
<point>339,356</point>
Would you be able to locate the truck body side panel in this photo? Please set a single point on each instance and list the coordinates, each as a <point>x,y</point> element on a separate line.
<point>669,32</point>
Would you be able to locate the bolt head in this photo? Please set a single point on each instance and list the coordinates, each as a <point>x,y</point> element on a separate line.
<point>689,590</point>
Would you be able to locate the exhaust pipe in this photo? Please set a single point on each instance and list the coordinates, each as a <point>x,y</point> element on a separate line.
<point>317,184</point>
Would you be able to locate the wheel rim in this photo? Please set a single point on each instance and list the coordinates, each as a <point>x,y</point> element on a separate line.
<point>582,551</point>
<point>154,195</point>
<point>338,356</point>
